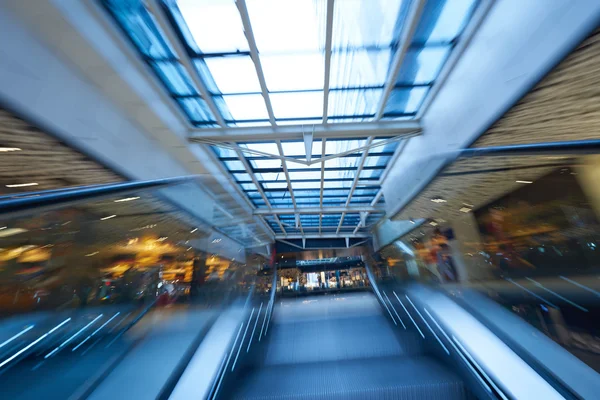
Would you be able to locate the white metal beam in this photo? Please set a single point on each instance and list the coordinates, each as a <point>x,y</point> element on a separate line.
<point>165,26</point>
<point>295,132</point>
<point>361,149</point>
<point>289,184</point>
<point>323,236</point>
<point>328,40</point>
<point>317,210</point>
<point>413,18</point>
<point>373,204</point>
<point>322,181</point>
<point>243,10</point>
<point>258,187</point>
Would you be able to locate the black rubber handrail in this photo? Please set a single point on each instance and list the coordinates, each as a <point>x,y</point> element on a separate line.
<point>28,201</point>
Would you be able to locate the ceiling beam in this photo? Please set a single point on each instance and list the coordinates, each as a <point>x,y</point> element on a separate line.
<point>243,10</point>
<point>413,18</point>
<point>296,132</point>
<point>258,187</point>
<point>289,184</point>
<point>184,59</point>
<point>322,181</point>
<point>318,210</point>
<point>328,40</point>
<point>323,236</point>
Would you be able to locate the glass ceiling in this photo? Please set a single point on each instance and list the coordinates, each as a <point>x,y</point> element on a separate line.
<point>291,61</point>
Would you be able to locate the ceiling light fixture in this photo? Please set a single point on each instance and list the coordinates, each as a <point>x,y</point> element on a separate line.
<point>126,199</point>
<point>524,181</point>
<point>433,223</point>
<point>465,209</point>
<point>92,254</point>
<point>193,230</point>
<point>109,217</point>
<point>9,149</point>
<point>438,200</point>
<point>15,185</point>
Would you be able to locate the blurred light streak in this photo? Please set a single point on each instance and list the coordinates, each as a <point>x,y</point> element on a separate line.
<point>557,295</point>
<point>96,331</point>
<point>63,344</point>
<point>18,353</point>
<point>7,341</point>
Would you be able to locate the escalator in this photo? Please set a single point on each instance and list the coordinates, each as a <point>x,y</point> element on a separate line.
<point>342,347</point>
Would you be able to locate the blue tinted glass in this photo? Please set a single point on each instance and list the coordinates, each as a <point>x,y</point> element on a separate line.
<point>175,78</point>
<point>196,109</point>
<point>141,28</point>
<point>353,102</point>
<point>422,66</point>
<point>405,101</point>
<point>359,68</point>
<point>373,161</point>
<point>297,105</point>
<point>361,23</point>
<point>387,147</point>
<point>443,20</point>
<point>370,173</point>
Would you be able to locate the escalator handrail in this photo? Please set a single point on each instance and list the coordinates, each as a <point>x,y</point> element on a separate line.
<point>21,201</point>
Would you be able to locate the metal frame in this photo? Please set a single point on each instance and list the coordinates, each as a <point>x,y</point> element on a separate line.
<point>318,210</point>
<point>231,138</point>
<point>167,28</point>
<point>295,132</point>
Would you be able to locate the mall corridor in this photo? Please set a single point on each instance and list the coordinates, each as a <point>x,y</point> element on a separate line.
<point>299,199</point>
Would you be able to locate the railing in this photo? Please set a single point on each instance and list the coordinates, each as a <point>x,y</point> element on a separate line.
<point>87,272</point>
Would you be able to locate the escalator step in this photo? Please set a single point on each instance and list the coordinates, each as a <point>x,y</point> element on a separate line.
<point>338,339</point>
<point>409,378</point>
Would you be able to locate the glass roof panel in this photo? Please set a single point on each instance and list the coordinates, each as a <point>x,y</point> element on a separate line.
<point>196,109</point>
<point>388,147</point>
<point>339,174</point>
<point>215,25</point>
<point>288,26</point>
<point>405,101</point>
<point>141,28</point>
<point>315,174</point>
<point>370,173</point>
<point>359,68</point>
<point>275,185</point>
<point>443,20</point>
<point>373,161</point>
<point>246,106</point>
<point>266,163</point>
<point>422,66</point>
<point>234,165</point>
<point>286,72</point>
<point>360,23</point>
<point>297,105</point>
<point>235,74</point>
<point>353,102</point>
<point>296,148</point>
<point>306,185</point>
<point>263,147</point>
<point>270,176</point>
<point>175,78</point>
